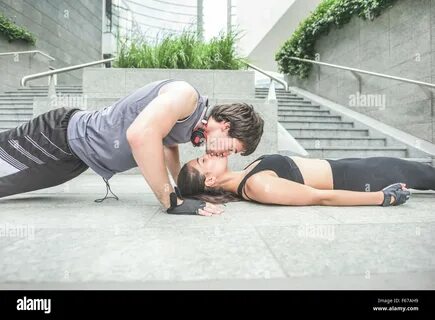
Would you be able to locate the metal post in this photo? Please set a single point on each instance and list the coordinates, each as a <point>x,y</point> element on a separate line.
<point>199,19</point>
<point>271,95</point>
<point>358,78</point>
<point>51,88</point>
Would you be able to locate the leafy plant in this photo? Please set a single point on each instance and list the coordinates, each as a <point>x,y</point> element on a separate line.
<point>13,32</point>
<point>328,14</point>
<point>183,51</point>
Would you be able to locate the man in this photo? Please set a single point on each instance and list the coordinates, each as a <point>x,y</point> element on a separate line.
<point>142,129</point>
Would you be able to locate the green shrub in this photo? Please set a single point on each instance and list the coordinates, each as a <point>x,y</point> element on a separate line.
<point>329,14</point>
<point>13,32</point>
<point>184,51</point>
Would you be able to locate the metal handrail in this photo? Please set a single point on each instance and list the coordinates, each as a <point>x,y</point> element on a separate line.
<point>25,79</point>
<point>376,74</point>
<point>28,52</point>
<point>267,74</point>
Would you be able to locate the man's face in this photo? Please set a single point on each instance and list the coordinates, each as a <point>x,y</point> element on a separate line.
<point>218,140</point>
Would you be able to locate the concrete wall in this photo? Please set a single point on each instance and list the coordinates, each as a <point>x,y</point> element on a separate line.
<point>12,68</point>
<point>72,36</point>
<point>263,54</point>
<point>400,42</point>
<point>118,82</point>
<point>247,15</point>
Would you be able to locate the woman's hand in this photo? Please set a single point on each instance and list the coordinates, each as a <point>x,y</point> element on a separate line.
<point>395,194</point>
<point>211,210</point>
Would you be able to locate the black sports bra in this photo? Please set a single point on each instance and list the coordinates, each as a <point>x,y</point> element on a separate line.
<point>283,166</point>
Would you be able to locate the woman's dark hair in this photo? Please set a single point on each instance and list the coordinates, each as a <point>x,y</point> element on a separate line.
<point>245,124</point>
<point>191,183</point>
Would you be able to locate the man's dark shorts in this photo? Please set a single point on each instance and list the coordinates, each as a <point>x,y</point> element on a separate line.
<point>36,154</point>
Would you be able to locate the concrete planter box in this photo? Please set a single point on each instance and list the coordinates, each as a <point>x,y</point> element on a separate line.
<point>118,82</point>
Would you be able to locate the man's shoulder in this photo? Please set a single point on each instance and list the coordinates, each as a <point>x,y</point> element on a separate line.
<point>178,85</point>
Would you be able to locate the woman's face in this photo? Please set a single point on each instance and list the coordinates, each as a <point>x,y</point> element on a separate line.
<point>210,165</point>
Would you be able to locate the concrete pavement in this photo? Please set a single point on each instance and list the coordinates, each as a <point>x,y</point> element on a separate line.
<point>60,238</point>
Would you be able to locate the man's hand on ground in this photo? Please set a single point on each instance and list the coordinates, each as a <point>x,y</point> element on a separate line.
<point>191,206</point>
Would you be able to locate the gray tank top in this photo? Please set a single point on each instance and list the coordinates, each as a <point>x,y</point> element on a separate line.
<point>99,139</point>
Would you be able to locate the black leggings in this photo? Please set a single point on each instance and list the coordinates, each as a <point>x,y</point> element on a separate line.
<point>374,174</point>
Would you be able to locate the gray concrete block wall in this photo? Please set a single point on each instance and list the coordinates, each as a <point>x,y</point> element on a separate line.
<point>12,71</point>
<point>72,40</point>
<point>400,42</point>
<point>118,82</point>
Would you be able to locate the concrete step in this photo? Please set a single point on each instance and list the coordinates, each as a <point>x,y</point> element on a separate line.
<point>45,92</point>
<point>357,152</point>
<point>15,108</point>
<point>15,98</point>
<point>266,91</point>
<point>15,102</point>
<point>303,112</point>
<point>35,93</point>
<point>279,97</point>
<point>292,117</point>
<point>422,160</point>
<point>297,105</point>
<point>328,133</point>
<point>58,86</point>
<point>317,124</point>
<point>18,112</point>
<point>11,123</point>
<point>23,94</point>
<point>12,119</point>
<point>45,89</point>
<point>320,142</point>
<point>261,89</point>
<point>293,102</point>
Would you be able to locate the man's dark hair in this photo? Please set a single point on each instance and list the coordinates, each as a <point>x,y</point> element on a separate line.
<point>245,124</point>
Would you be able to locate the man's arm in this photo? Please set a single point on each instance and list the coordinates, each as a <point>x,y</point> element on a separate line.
<point>145,136</point>
<point>172,157</point>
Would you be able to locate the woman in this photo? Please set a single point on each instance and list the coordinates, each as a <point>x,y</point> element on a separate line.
<point>277,179</point>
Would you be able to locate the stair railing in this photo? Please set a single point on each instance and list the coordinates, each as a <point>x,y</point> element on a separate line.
<point>271,94</point>
<point>52,73</point>
<point>424,86</point>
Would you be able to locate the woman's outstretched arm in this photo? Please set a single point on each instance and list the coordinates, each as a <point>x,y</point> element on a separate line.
<point>269,189</point>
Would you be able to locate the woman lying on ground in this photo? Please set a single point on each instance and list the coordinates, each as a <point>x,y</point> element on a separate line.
<point>277,179</point>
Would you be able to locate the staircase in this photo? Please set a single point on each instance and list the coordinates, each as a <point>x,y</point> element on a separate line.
<point>16,106</point>
<point>326,135</point>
